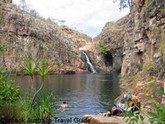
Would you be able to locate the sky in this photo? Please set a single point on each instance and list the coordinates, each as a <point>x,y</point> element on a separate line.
<point>86,16</point>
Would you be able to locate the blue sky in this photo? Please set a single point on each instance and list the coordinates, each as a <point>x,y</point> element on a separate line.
<point>86,16</point>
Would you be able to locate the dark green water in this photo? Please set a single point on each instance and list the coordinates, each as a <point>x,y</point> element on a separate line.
<point>84,93</point>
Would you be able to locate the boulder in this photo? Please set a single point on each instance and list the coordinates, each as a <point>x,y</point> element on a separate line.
<point>101,119</point>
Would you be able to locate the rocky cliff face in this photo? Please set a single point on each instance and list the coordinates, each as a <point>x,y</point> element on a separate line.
<point>136,44</point>
<point>147,39</point>
<point>113,36</point>
<point>21,33</point>
<point>137,39</point>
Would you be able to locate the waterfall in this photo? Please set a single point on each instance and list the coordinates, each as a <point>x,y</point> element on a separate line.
<point>89,63</point>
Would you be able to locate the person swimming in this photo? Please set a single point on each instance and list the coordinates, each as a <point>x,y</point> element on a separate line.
<point>64,105</point>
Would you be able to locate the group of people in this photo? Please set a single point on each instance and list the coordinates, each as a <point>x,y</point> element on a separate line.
<point>129,103</point>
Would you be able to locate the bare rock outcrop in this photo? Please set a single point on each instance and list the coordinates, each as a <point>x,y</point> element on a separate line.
<point>22,33</point>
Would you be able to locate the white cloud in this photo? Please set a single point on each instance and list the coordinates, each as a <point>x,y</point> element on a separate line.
<point>88,16</point>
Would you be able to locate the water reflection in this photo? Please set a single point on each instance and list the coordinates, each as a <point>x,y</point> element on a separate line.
<point>84,93</point>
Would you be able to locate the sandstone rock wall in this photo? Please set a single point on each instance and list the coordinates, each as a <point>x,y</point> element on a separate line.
<point>137,39</point>
<point>22,33</point>
<point>147,38</point>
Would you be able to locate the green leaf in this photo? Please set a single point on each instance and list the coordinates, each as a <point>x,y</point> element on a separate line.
<point>43,67</point>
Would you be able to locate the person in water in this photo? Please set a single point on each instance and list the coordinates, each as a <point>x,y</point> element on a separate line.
<point>64,105</point>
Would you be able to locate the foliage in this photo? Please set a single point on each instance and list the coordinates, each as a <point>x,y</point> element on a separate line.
<point>161,45</point>
<point>25,107</point>
<point>46,106</point>
<point>133,117</point>
<point>9,111</point>
<point>103,50</point>
<point>43,67</point>
<point>8,92</point>
<point>2,47</point>
<point>43,108</point>
<point>43,71</point>
<point>158,115</point>
<point>15,107</point>
<point>29,64</point>
<point>151,68</point>
<point>3,74</point>
<point>9,96</point>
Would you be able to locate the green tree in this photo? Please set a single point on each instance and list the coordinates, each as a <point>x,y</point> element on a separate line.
<point>124,3</point>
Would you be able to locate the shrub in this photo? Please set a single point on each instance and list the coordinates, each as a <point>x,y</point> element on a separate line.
<point>15,108</point>
<point>9,97</point>
<point>42,109</point>
<point>157,116</point>
<point>102,48</point>
<point>151,69</point>
<point>161,45</point>
<point>133,117</point>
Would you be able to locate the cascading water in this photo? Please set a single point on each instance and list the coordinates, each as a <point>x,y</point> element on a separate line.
<point>89,63</point>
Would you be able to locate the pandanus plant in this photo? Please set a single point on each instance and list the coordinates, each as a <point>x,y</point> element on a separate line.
<point>30,67</point>
<point>43,71</point>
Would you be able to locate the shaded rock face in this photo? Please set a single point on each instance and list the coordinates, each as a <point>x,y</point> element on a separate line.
<point>113,35</point>
<point>22,33</point>
<point>138,38</point>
